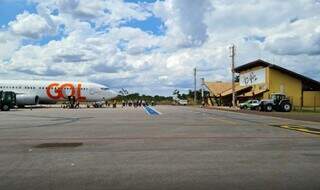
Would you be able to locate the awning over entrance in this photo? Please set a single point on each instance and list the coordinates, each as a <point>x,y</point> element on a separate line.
<point>252,94</point>
<point>238,89</point>
<point>216,88</point>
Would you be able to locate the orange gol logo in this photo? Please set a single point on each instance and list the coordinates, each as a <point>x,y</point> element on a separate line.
<point>56,91</point>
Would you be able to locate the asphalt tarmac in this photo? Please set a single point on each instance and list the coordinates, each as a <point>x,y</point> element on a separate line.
<point>182,148</point>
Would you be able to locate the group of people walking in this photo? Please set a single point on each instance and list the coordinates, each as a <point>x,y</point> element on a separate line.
<point>136,103</point>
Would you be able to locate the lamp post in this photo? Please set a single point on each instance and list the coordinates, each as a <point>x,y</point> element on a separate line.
<point>202,90</point>
<point>195,85</point>
<point>232,55</point>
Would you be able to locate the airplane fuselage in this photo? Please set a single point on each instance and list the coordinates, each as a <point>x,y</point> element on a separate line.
<point>47,92</point>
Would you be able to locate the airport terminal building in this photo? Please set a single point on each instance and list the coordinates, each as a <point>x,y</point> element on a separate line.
<point>259,79</point>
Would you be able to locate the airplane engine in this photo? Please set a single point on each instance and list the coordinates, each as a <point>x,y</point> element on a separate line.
<point>27,99</point>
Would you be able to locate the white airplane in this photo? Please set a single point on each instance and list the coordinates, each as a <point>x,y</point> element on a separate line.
<point>33,92</point>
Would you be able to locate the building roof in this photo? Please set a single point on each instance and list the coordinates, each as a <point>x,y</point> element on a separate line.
<point>252,93</point>
<point>225,89</point>
<point>252,64</point>
<point>218,87</point>
<point>238,89</point>
<point>310,83</point>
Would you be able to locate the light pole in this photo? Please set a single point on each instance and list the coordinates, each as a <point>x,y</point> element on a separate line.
<point>232,55</point>
<point>195,85</point>
<point>202,91</point>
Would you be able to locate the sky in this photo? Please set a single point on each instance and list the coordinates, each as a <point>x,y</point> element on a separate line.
<point>152,46</point>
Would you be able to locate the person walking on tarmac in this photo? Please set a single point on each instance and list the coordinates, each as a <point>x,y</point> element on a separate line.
<point>77,106</point>
<point>123,103</point>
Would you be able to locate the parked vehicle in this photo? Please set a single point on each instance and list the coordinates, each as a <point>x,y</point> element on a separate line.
<point>278,102</point>
<point>183,102</point>
<point>7,100</point>
<point>250,104</point>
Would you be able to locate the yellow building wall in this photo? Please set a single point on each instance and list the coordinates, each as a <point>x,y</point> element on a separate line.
<point>252,69</point>
<point>279,82</point>
<point>311,98</point>
<point>266,95</point>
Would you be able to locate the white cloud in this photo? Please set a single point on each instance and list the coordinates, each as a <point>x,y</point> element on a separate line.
<point>8,45</point>
<point>300,37</point>
<point>184,21</point>
<point>30,25</point>
<point>99,12</point>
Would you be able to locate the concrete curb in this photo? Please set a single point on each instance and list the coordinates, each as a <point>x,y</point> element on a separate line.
<point>292,115</point>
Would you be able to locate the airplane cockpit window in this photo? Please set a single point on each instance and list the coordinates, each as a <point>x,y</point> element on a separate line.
<point>104,89</point>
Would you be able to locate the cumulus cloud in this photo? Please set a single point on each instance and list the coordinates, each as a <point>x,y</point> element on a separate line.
<point>300,37</point>
<point>30,25</point>
<point>184,20</point>
<point>8,45</point>
<point>99,12</point>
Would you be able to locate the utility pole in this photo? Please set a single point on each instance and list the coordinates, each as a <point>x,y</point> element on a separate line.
<point>232,55</point>
<point>202,91</point>
<point>195,85</point>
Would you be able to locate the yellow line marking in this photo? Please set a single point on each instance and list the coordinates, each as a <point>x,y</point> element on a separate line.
<point>301,129</point>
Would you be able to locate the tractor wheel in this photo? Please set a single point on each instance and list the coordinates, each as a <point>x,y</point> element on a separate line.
<point>5,108</point>
<point>269,108</point>
<point>286,107</point>
<point>257,108</point>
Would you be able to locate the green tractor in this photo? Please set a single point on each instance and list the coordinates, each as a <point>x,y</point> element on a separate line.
<point>7,100</point>
<point>278,102</point>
